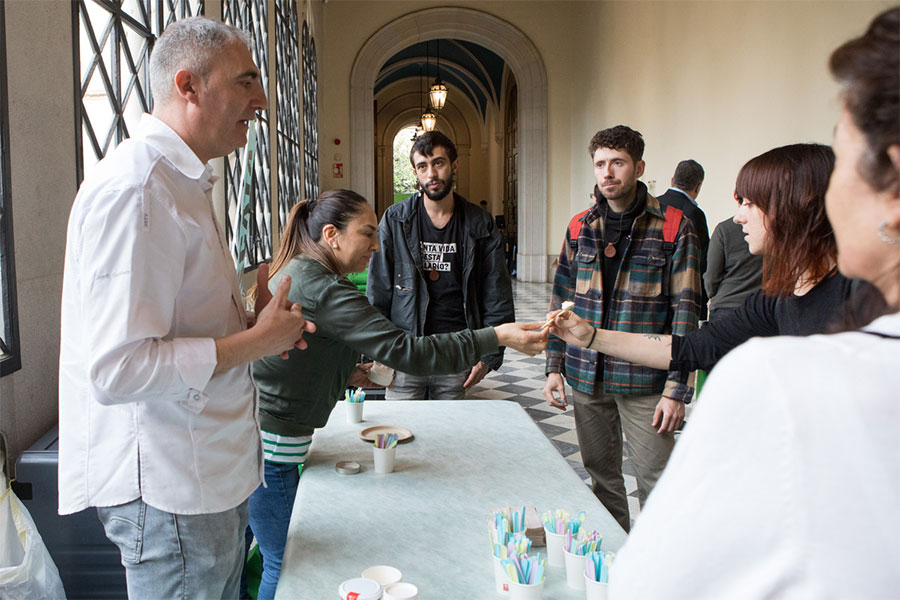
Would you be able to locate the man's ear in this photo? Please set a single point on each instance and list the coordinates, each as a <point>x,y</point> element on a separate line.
<point>186,85</point>
<point>639,168</point>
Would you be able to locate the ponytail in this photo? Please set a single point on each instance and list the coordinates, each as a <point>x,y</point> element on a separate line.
<point>303,230</point>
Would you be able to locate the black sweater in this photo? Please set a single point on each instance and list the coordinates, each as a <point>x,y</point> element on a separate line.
<point>766,316</point>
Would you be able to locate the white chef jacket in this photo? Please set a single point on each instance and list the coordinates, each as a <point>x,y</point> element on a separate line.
<point>148,284</point>
<point>785,483</point>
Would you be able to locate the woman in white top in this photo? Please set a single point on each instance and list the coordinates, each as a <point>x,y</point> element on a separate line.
<point>786,483</point>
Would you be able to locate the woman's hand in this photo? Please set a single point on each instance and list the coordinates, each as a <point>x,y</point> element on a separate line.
<point>359,377</point>
<point>571,328</point>
<point>527,338</point>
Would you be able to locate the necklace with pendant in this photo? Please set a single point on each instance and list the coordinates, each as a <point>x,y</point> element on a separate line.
<point>610,250</point>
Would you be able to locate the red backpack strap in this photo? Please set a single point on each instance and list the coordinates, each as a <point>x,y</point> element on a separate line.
<point>575,226</point>
<point>670,227</point>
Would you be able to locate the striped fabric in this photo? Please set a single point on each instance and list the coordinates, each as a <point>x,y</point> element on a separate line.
<point>285,449</point>
<point>651,296</point>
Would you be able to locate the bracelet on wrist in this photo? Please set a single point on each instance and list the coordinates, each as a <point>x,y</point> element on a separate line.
<point>593,335</point>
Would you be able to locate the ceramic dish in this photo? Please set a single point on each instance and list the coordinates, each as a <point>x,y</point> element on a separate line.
<point>403,434</point>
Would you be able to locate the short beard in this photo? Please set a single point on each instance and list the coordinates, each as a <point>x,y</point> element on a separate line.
<point>441,193</point>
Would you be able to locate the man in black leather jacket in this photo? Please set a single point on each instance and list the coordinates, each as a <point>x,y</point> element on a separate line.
<point>441,268</point>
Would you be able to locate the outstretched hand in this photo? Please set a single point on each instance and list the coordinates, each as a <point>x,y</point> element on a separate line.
<point>570,328</point>
<point>527,338</point>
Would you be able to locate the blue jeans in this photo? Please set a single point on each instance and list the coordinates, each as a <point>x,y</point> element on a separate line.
<point>166,555</point>
<point>427,387</point>
<point>270,515</point>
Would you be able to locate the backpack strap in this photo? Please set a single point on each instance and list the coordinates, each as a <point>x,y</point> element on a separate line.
<point>670,228</point>
<point>575,226</point>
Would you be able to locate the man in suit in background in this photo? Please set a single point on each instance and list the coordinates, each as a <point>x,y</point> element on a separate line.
<point>682,194</point>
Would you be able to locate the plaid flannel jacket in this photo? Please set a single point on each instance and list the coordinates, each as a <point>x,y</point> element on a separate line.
<point>656,292</point>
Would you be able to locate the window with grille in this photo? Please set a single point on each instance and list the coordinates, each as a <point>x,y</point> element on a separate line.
<point>310,117</point>
<point>288,129</point>
<point>10,359</point>
<point>113,40</point>
<point>251,16</point>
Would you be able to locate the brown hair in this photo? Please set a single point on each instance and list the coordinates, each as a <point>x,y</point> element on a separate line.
<point>868,68</point>
<point>304,227</point>
<point>619,137</point>
<point>788,184</point>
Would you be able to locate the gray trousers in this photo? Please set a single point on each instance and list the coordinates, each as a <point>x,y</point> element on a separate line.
<point>166,555</point>
<point>427,387</point>
<point>599,421</point>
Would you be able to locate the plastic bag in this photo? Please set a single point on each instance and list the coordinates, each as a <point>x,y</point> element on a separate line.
<point>26,569</point>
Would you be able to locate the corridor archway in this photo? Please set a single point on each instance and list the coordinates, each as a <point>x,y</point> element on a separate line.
<point>526,64</point>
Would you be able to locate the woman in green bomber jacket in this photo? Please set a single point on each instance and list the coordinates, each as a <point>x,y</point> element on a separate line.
<point>324,240</point>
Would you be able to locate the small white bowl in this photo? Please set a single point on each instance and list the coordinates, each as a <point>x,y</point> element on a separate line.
<point>383,574</point>
<point>401,591</point>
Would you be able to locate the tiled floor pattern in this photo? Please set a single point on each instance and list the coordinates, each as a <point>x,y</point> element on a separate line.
<point>521,378</point>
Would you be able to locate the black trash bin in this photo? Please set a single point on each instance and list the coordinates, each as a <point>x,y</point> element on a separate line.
<point>89,564</point>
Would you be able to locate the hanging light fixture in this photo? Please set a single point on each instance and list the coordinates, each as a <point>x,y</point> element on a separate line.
<point>438,91</point>
<point>429,119</point>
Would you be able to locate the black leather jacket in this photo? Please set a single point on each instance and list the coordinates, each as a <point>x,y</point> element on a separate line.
<point>397,287</point>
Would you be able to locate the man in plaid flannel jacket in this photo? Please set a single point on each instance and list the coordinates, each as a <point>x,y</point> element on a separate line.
<point>623,275</point>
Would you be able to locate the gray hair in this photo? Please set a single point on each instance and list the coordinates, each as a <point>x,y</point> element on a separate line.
<point>188,43</point>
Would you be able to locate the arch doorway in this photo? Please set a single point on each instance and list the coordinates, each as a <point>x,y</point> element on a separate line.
<point>526,65</point>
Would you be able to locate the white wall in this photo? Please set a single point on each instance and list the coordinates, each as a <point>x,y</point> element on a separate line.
<point>719,82</point>
<point>42,149</point>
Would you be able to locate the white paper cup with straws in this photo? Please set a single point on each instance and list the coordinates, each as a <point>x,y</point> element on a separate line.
<point>526,591</point>
<point>501,580</point>
<point>574,570</point>
<point>594,590</point>
<point>354,412</point>
<point>556,543</point>
<point>384,459</point>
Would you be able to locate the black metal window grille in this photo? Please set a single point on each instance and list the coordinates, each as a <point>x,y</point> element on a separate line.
<point>112,43</point>
<point>287,84</point>
<point>310,116</point>
<point>253,17</point>
<point>10,360</point>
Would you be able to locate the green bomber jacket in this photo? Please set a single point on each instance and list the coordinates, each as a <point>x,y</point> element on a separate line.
<point>298,394</point>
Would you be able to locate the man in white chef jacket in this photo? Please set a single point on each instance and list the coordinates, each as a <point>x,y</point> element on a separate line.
<point>158,411</point>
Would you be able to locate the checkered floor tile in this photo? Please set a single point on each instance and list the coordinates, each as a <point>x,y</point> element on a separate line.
<point>521,378</point>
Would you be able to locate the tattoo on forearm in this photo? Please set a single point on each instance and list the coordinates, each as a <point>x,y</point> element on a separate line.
<point>651,336</point>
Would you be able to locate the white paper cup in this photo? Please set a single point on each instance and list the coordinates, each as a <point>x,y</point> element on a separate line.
<point>522,591</point>
<point>574,570</point>
<point>401,591</point>
<point>501,579</point>
<point>556,544</point>
<point>383,574</point>
<point>384,459</point>
<point>594,590</point>
<point>381,374</point>
<point>354,411</point>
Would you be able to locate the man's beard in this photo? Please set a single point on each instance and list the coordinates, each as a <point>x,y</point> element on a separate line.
<point>441,192</point>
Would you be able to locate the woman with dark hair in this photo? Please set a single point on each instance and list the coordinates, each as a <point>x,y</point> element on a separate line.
<point>781,208</point>
<point>323,241</point>
<point>786,483</point>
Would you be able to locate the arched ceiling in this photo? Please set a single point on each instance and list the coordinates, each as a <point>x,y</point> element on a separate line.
<point>464,66</point>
